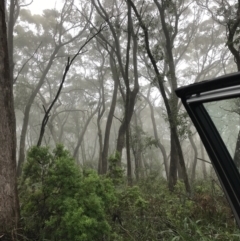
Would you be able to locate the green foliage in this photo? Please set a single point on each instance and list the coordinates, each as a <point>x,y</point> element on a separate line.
<point>150,212</point>
<point>115,172</point>
<point>183,122</point>
<point>141,140</point>
<point>58,202</point>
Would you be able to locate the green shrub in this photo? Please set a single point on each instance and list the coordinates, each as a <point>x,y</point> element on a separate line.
<point>59,202</point>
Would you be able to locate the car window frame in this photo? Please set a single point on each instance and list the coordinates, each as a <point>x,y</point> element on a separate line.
<point>193,97</point>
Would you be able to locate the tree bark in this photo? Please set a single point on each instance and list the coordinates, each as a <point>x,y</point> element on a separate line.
<point>101,111</point>
<point>110,115</point>
<point>137,148</point>
<point>173,165</point>
<point>130,94</point>
<point>9,206</point>
<point>11,23</point>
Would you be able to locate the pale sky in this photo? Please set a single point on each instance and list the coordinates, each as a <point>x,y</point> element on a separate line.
<point>39,5</point>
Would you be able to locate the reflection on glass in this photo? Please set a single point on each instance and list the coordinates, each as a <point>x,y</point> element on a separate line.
<point>226,116</point>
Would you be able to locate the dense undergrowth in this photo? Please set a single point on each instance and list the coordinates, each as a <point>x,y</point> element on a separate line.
<point>60,201</point>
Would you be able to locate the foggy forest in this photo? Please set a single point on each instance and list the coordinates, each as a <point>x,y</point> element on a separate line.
<point>100,147</point>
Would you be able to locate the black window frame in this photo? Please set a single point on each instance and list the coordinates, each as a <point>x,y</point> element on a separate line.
<point>193,97</point>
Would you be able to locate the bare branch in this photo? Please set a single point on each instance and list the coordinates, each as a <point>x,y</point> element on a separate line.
<point>25,5</point>
<point>68,65</point>
<point>19,72</point>
<point>204,160</point>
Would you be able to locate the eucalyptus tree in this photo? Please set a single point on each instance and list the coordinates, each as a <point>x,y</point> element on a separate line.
<point>207,52</point>
<point>104,61</point>
<point>14,8</point>
<point>169,14</point>
<point>113,76</point>
<point>227,14</point>
<point>94,110</point>
<point>56,30</point>
<point>9,206</point>
<point>208,58</point>
<point>156,135</point>
<point>106,44</point>
<point>101,77</point>
<point>116,81</point>
<point>179,46</point>
<point>98,67</point>
<point>123,34</point>
<point>145,139</point>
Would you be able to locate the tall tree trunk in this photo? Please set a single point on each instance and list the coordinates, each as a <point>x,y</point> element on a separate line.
<point>9,206</point>
<point>179,171</point>
<point>110,115</point>
<point>84,158</point>
<point>173,101</point>
<point>80,139</point>
<point>137,149</point>
<point>101,111</point>
<point>11,22</point>
<point>159,144</point>
<point>124,69</point>
<point>170,108</point>
<point>126,121</point>
<point>173,164</point>
<point>100,145</point>
<point>130,94</point>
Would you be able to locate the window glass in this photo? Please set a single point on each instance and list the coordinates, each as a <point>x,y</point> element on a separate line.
<point>226,116</point>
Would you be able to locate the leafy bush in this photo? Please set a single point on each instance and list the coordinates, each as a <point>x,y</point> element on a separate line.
<point>61,202</point>
<point>58,202</point>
